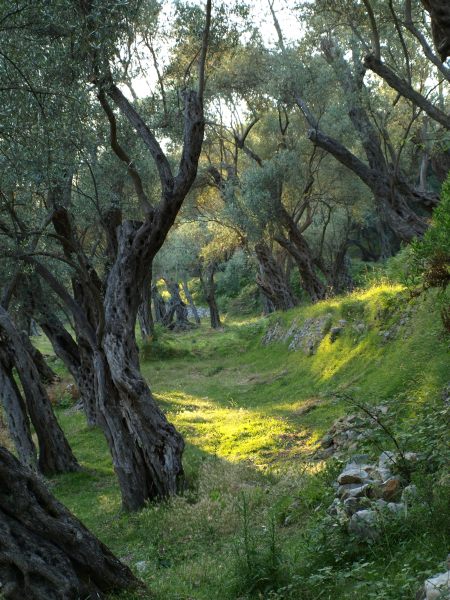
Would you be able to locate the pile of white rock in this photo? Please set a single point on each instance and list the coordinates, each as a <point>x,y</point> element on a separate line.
<point>366,491</point>
<point>347,432</point>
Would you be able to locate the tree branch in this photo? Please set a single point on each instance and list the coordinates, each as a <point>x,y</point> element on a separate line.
<point>123,156</point>
<point>403,88</point>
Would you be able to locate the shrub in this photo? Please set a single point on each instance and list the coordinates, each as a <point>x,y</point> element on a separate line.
<point>259,567</point>
<point>431,255</point>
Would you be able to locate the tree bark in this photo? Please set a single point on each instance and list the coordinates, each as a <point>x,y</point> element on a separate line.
<point>394,197</point>
<point>15,411</point>
<point>395,206</point>
<point>46,373</point>
<point>272,281</point>
<point>440,25</point>
<point>340,277</point>
<point>176,307</point>
<point>55,454</point>
<point>209,290</point>
<point>45,552</point>
<point>157,445</point>
<point>146,449</point>
<point>145,317</point>
<point>76,357</point>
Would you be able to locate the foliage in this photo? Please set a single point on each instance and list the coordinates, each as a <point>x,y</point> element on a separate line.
<point>431,255</point>
<point>259,562</point>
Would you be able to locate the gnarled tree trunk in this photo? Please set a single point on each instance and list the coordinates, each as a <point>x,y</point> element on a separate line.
<point>46,374</point>
<point>145,317</point>
<point>440,25</point>
<point>176,307</point>
<point>159,306</point>
<point>77,359</point>
<point>15,411</point>
<point>157,446</point>
<point>145,447</point>
<point>272,281</point>
<point>299,249</point>
<point>209,290</point>
<point>55,454</point>
<point>45,552</point>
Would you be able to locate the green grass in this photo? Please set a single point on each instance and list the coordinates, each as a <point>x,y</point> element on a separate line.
<point>251,416</point>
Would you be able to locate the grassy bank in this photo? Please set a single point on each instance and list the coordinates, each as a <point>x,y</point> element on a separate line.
<point>253,517</point>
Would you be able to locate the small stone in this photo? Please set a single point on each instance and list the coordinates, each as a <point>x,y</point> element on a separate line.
<point>359,459</point>
<point>409,494</point>
<point>437,586</point>
<point>352,475</point>
<point>325,453</point>
<point>396,507</point>
<point>387,459</point>
<point>390,489</point>
<point>363,524</point>
<point>335,507</point>
<point>141,566</point>
<point>353,490</point>
<point>385,474</point>
<point>353,505</point>
<point>411,456</point>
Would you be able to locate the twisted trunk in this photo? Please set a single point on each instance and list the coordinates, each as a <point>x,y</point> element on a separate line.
<point>440,25</point>
<point>176,307</point>
<point>45,552</point>
<point>394,196</point>
<point>271,280</point>
<point>406,90</point>
<point>46,373</point>
<point>76,357</point>
<point>153,456</point>
<point>340,276</point>
<point>15,411</point>
<point>209,290</point>
<point>55,454</point>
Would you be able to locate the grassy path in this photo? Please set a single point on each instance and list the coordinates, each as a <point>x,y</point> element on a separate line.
<point>251,416</point>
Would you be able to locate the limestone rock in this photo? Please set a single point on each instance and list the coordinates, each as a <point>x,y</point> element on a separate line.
<point>391,489</point>
<point>353,490</point>
<point>363,524</point>
<point>310,334</point>
<point>353,505</point>
<point>438,587</point>
<point>387,461</point>
<point>409,494</point>
<point>353,475</point>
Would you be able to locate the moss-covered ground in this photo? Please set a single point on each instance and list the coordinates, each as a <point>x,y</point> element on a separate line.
<point>252,521</point>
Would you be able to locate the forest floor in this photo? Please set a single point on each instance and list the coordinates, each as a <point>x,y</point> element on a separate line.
<point>252,521</point>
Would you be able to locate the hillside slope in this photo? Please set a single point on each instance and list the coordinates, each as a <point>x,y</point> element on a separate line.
<point>253,519</point>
